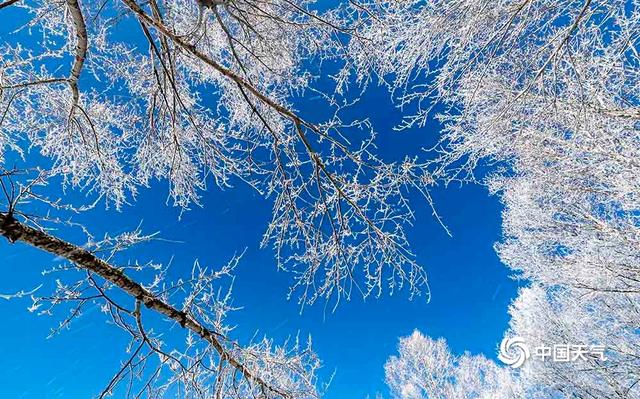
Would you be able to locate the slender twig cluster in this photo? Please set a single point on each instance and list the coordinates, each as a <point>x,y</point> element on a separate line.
<point>204,92</point>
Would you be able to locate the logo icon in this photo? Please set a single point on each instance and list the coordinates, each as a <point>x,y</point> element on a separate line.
<point>514,352</point>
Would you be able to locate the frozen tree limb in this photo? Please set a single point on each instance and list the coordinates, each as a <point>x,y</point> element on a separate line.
<point>15,231</point>
<point>7,3</point>
<point>81,49</point>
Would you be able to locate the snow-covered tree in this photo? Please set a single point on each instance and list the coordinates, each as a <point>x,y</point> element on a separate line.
<point>111,97</point>
<point>426,369</point>
<point>546,92</point>
<point>545,316</point>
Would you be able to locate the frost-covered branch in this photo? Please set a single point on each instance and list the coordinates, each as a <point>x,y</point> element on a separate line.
<point>81,48</point>
<point>206,92</point>
<point>283,376</point>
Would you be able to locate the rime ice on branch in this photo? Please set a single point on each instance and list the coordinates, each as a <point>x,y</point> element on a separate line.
<point>202,93</point>
<point>547,93</point>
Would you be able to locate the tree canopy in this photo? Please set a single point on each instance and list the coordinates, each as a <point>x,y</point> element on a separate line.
<point>108,98</point>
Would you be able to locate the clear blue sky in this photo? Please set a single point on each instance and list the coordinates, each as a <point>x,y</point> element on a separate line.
<point>470,288</point>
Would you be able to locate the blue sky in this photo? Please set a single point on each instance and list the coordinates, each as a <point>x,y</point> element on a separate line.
<point>471,289</point>
<point>470,292</point>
